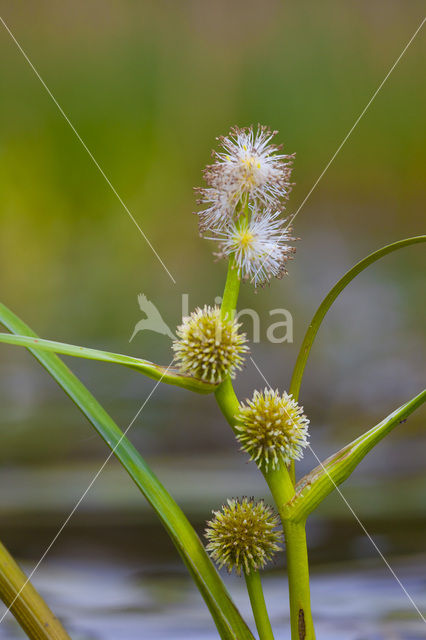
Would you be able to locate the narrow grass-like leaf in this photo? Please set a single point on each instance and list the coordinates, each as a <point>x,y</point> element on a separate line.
<point>154,371</point>
<point>227,618</point>
<point>331,297</point>
<point>308,340</point>
<point>29,609</point>
<point>316,485</point>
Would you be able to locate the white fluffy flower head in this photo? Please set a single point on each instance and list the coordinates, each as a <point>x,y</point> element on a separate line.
<point>250,164</point>
<point>260,246</point>
<point>219,206</point>
<point>246,189</point>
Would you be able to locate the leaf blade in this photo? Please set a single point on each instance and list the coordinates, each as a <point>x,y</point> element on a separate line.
<point>320,482</point>
<point>329,299</point>
<point>228,620</point>
<point>25,603</point>
<point>151,370</point>
<point>324,307</point>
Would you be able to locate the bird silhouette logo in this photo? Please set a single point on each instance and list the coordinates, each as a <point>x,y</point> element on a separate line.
<point>153,320</point>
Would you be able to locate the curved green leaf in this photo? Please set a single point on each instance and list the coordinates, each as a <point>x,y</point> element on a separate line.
<point>328,301</point>
<point>314,487</point>
<point>154,371</point>
<point>28,607</point>
<point>228,620</point>
<point>308,340</point>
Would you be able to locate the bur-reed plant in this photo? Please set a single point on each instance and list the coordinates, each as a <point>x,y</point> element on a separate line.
<point>241,210</point>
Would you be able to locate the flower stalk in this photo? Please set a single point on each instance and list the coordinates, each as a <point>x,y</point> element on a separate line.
<point>231,291</point>
<point>258,605</point>
<point>282,489</point>
<point>243,536</point>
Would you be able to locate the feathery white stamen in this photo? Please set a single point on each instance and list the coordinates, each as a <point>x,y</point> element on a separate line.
<point>219,208</point>
<point>259,246</point>
<point>250,164</point>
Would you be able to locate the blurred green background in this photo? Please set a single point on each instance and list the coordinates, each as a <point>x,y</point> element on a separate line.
<point>148,86</point>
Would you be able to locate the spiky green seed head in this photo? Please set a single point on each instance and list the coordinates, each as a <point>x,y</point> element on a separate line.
<point>208,346</point>
<point>272,429</point>
<point>243,535</point>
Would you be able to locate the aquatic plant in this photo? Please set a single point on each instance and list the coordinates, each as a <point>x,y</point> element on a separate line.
<point>242,207</point>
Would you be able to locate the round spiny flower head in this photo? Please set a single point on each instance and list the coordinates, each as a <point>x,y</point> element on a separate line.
<point>259,245</point>
<point>243,535</point>
<point>208,346</point>
<point>272,428</point>
<point>250,164</point>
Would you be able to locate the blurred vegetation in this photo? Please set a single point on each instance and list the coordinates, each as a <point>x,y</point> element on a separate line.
<point>148,85</point>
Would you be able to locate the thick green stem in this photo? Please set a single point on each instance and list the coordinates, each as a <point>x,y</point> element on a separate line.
<point>228,402</point>
<point>282,488</point>
<point>257,599</point>
<point>302,627</point>
<point>225,395</point>
<point>29,609</point>
<point>231,291</point>
<point>280,485</point>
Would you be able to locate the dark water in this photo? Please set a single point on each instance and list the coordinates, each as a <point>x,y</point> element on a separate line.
<point>113,573</point>
<point>100,601</point>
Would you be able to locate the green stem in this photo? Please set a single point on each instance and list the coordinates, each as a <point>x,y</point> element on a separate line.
<point>278,479</point>
<point>225,394</point>
<point>231,291</point>
<point>302,627</point>
<point>282,488</point>
<point>258,605</point>
<point>29,609</point>
<point>228,402</point>
<point>280,485</point>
